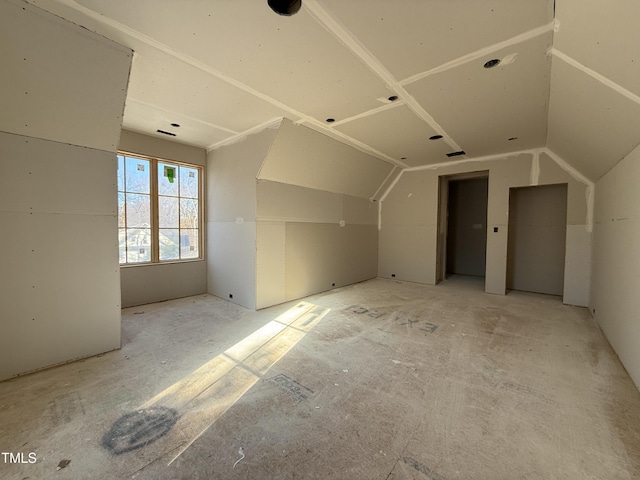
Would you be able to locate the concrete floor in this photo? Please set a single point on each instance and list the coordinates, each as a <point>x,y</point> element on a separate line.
<point>381,380</point>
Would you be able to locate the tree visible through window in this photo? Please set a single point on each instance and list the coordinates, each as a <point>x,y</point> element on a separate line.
<point>158,210</point>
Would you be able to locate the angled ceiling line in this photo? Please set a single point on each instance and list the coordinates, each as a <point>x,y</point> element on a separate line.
<point>367,113</point>
<point>189,117</point>
<point>200,65</point>
<point>595,75</point>
<point>239,136</point>
<point>383,183</point>
<point>350,41</point>
<point>484,158</point>
<point>482,52</point>
<point>590,190</point>
<point>363,146</point>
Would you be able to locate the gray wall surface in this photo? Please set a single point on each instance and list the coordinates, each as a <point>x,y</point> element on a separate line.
<point>60,283</point>
<point>615,300</point>
<point>408,229</point>
<point>142,284</point>
<point>231,217</point>
<point>537,237</point>
<point>287,217</point>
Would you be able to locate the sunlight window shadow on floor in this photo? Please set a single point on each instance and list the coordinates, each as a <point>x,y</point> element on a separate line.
<point>200,398</point>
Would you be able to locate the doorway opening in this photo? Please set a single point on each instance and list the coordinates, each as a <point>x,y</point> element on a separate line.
<point>537,239</point>
<point>462,225</point>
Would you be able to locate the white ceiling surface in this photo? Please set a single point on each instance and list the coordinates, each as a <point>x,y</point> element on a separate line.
<point>225,68</point>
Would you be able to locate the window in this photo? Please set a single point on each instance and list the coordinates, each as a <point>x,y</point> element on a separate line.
<point>158,210</point>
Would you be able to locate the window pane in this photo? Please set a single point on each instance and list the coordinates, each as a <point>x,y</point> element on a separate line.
<point>168,212</point>
<point>188,213</point>
<point>122,236</point>
<point>138,245</point>
<point>169,247</point>
<point>120,173</point>
<point>121,210</point>
<point>189,243</point>
<point>188,182</point>
<point>167,179</point>
<point>138,210</point>
<point>137,175</point>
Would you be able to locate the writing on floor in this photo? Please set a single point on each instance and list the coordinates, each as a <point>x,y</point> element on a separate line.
<point>399,318</point>
<point>292,388</point>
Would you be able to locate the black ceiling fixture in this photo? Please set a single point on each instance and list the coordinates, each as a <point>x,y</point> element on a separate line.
<point>492,63</point>
<point>285,7</point>
<point>330,120</point>
<point>393,98</point>
<point>175,125</point>
<point>435,137</point>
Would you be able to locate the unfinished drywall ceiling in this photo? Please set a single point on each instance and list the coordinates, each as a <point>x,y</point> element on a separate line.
<point>61,119</point>
<point>384,76</point>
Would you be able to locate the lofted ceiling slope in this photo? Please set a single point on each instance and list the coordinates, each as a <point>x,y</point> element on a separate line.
<point>390,73</point>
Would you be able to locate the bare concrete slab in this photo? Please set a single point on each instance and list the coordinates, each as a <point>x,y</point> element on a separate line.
<point>381,379</point>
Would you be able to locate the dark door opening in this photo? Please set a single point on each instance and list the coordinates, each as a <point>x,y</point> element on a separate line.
<point>467,227</point>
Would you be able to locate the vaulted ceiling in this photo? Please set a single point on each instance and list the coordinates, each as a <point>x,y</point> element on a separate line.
<point>390,73</point>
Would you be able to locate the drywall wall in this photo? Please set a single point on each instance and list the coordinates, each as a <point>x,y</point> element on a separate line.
<point>302,156</point>
<point>270,240</point>
<point>408,228</point>
<point>60,122</point>
<point>615,302</point>
<point>142,284</point>
<point>310,241</point>
<point>537,239</point>
<point>231,217</point>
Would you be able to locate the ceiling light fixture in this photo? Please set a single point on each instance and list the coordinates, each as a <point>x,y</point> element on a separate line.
<point>435,137</point>
<point>330,120</point>
<point>393,98</point>
<point>175,125</point>
<point>492,63</point>
<point>285,7</point>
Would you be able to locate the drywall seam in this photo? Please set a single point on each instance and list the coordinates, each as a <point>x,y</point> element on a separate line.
<point>523,37</point>
<point>218,74</point>
<point>384,195</point>
<point>266,155</point>
<point>345,37</point>
<point>368,113</point>
<point>590,190</point>
<point>485,158</point>
<point>193,119</point>
<point>600,78</point>
<point>534,176</point>
<point>114,151</point>
<point>271,123</point>
<point>383,183</point>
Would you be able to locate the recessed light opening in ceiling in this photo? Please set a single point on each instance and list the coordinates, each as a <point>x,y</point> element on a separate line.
<point>393,98</point>
<point>175,125</point>
<point>492,63</point>
<point>330,120</point>
<point>285,7</point>
<point>435,137</point>
<point>511,139</point>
